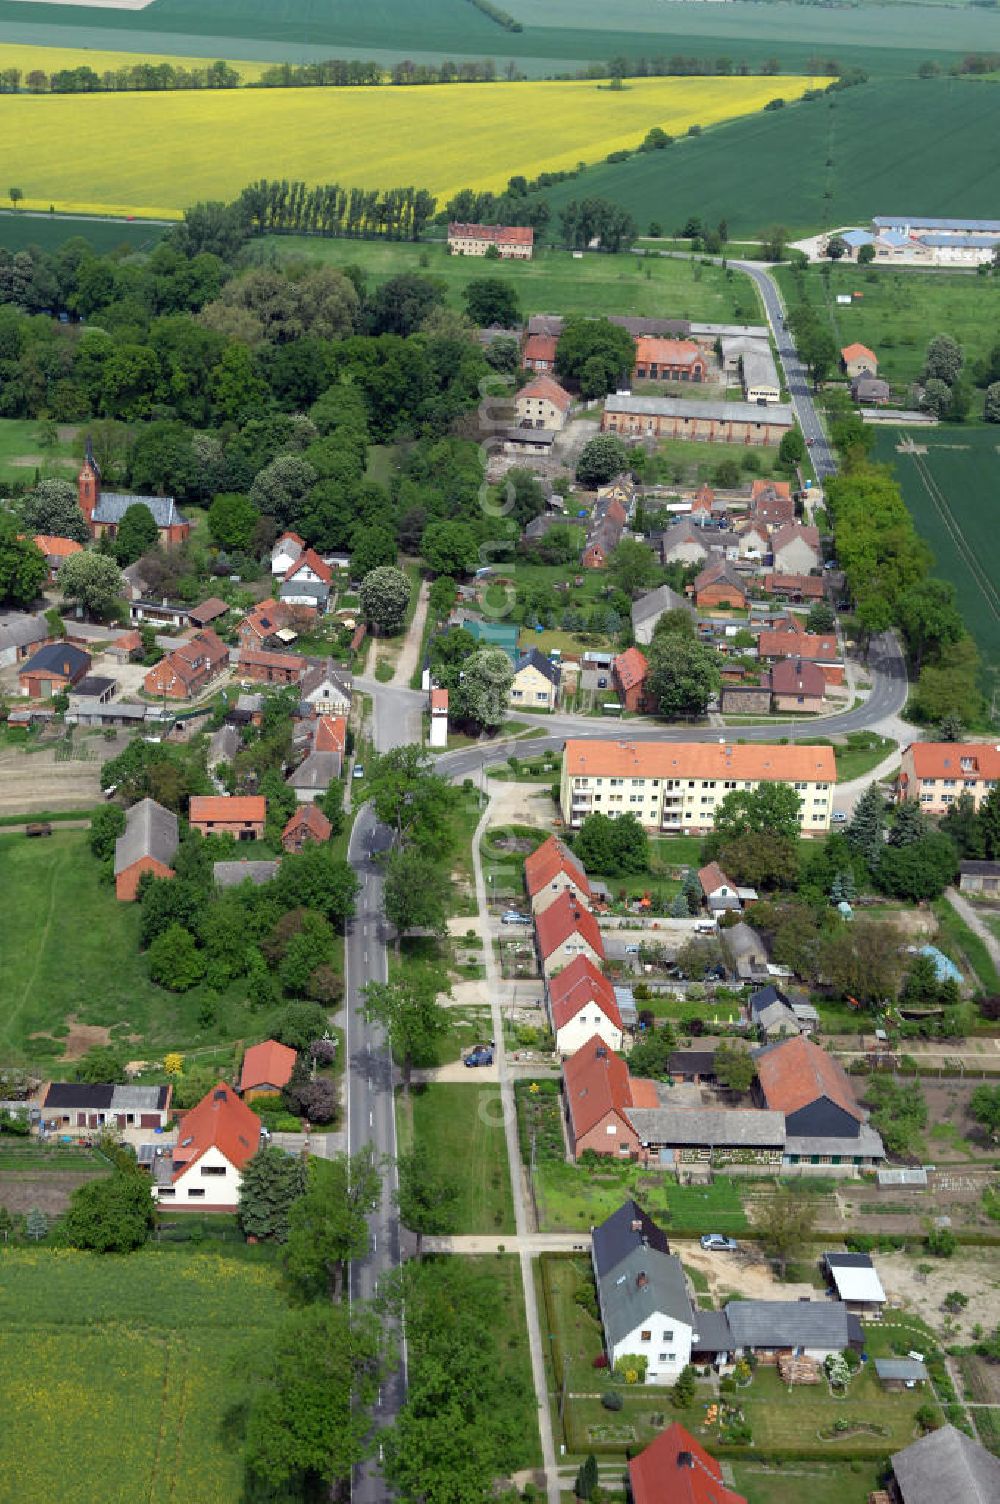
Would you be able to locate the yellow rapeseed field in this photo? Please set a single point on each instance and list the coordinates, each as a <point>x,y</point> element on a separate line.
<point>153,154</point>
<point>53,59</point>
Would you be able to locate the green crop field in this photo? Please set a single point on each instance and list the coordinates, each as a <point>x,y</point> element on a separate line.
<point>115,1374</point>
<point>899,312</point>
<point>557,34</point>
<point>951,489</point>
<point>49,232</point>
<point>69,955</point>
<point>553,281</point>
<point>823,163</point>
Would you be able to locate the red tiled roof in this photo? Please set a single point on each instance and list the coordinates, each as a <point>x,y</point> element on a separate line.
<point>331,734</point>
<point>54,547</point>
<point>310,819</point>
<point>945,759</point>
<point>658,1475</point>
<point>796,1072</point>
<point>797,676</point>
<point>439,699</point>
<point>644,1093</point>
<point>270,1063</point>
<point>209,610</point>
<point>227,807</point>
<point>544,389</point>
<point>496,234</point>
<point>630,668</point>
<point>291,537</point>
<point>856,352</point>
<point>577,985</point>
<point>552,857</point>
<point>261,658</point>
<point>565,917</point>
<point>666,352</point>
<point>794,584</point>
<point>222,1121</point>
<point>127,642</point>
<point>267,617</point>
<point>649,759</point>
<point>540,347</point>
<point>789,531</point>
<point>595,1082</point>
<point>772,644</point>
<point>703,499</point>
<point>310,559</point>
<point>712,878</point>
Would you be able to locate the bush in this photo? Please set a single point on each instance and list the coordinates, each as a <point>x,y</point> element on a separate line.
<point>612,1400</point>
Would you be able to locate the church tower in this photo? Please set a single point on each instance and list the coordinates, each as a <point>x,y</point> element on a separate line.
<point>88,484</point>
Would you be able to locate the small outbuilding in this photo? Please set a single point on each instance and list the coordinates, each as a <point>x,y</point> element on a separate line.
<point>856,1282</point>
<point>900,1373</point>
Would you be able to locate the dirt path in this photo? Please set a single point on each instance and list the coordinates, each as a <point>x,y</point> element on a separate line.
<point>964,909</point>
<point>745,1271</point>
<point>409,655</point>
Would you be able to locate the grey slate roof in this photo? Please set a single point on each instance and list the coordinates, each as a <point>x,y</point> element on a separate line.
<point>923,222</point>
<point>626,1303</point>
<point>317,590</point>
<point>979,869</point>
<point>534,659</point>
<point>759,368</point>
<point>789,1323</point>
<point>318,771</point>
<point>19,630</point>
<point>867,1145</point>
<point>712,1126</point>
<point>112,506</point>
<point>622,1233</point>
<point>93,686</point>
<point>656,603</point>
<point>150,830</point>
<point>946,1464</point>
<point>712,1333</point>
<point>223,745</point>
<point>774,1016</point>
<point>56,657</point>
<point>718,412</point>
<point>904,1370</point>
<point>231,874</point>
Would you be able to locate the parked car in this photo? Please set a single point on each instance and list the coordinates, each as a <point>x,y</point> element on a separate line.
<point>358,770</point>
<point>481,1055</point>
<point>514,916</point>
<point>839,817</point>
<point>717,1243</point>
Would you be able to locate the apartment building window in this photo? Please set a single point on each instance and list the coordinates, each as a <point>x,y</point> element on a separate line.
<point>637,783</point>
<point>730,783</point>
<point>645,1336</point>
<point>635,798</point>
<point>949,783</point>
<point>926,798</point>
<point>616,783</point>
<point>801,785</point>
<point>656,783</point>
<point>197,1190</point>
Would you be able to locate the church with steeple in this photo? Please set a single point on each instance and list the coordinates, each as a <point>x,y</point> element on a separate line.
<point>104,510</point>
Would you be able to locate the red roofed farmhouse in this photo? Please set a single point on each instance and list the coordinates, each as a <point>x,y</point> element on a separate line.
<point>267,1068</point>
<point>668,360</point>
<point>543,403</point>
<point>513,242</point>
<point>214,1142</point>
<point>242,816</point>
<point>824,1125</point>
<point>596,1093</point>
<point>564,931</point>
<point>307,824</point>
<point>582,1004</point>
<point>858,360</point>
<point>551,870</point>
<point>629,672</point>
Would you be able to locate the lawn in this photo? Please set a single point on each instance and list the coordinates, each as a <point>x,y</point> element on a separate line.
<point>69,955</point>
<point>132,151</point>
<point>127,1366</point>
<point>22,451</point>
<point>807,1482</point>
<point>461,1127</point>
<point>28,1156</point>
<point>553,281</point>
<point>900,311</point>
<point>964,946</point>
<point>834,161</point>
<point>861,753</point>
<point>685,463</point>
<point>950,490</point>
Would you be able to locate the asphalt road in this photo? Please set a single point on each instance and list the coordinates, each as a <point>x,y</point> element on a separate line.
<point>370,1115</point>
<point>887,671</point>
<point>796,376</point>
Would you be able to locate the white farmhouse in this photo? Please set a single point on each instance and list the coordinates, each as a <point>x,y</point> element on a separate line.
<point>214,1141</point>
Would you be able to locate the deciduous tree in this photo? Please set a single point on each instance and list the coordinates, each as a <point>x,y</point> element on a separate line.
<point>385,595</point>
<point>428,1196</point>
<point>112,1214</point>
<point>411,1015</point>
<point>327,1225</point>
<point>683,676</point>
<point>784,1223</point>
<point>92,579</point>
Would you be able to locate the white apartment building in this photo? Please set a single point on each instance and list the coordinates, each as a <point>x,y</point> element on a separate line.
<point>677,786</point>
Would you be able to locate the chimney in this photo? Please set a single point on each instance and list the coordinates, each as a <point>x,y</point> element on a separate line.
<point>641,1280</point>
<point>685,1459</point>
